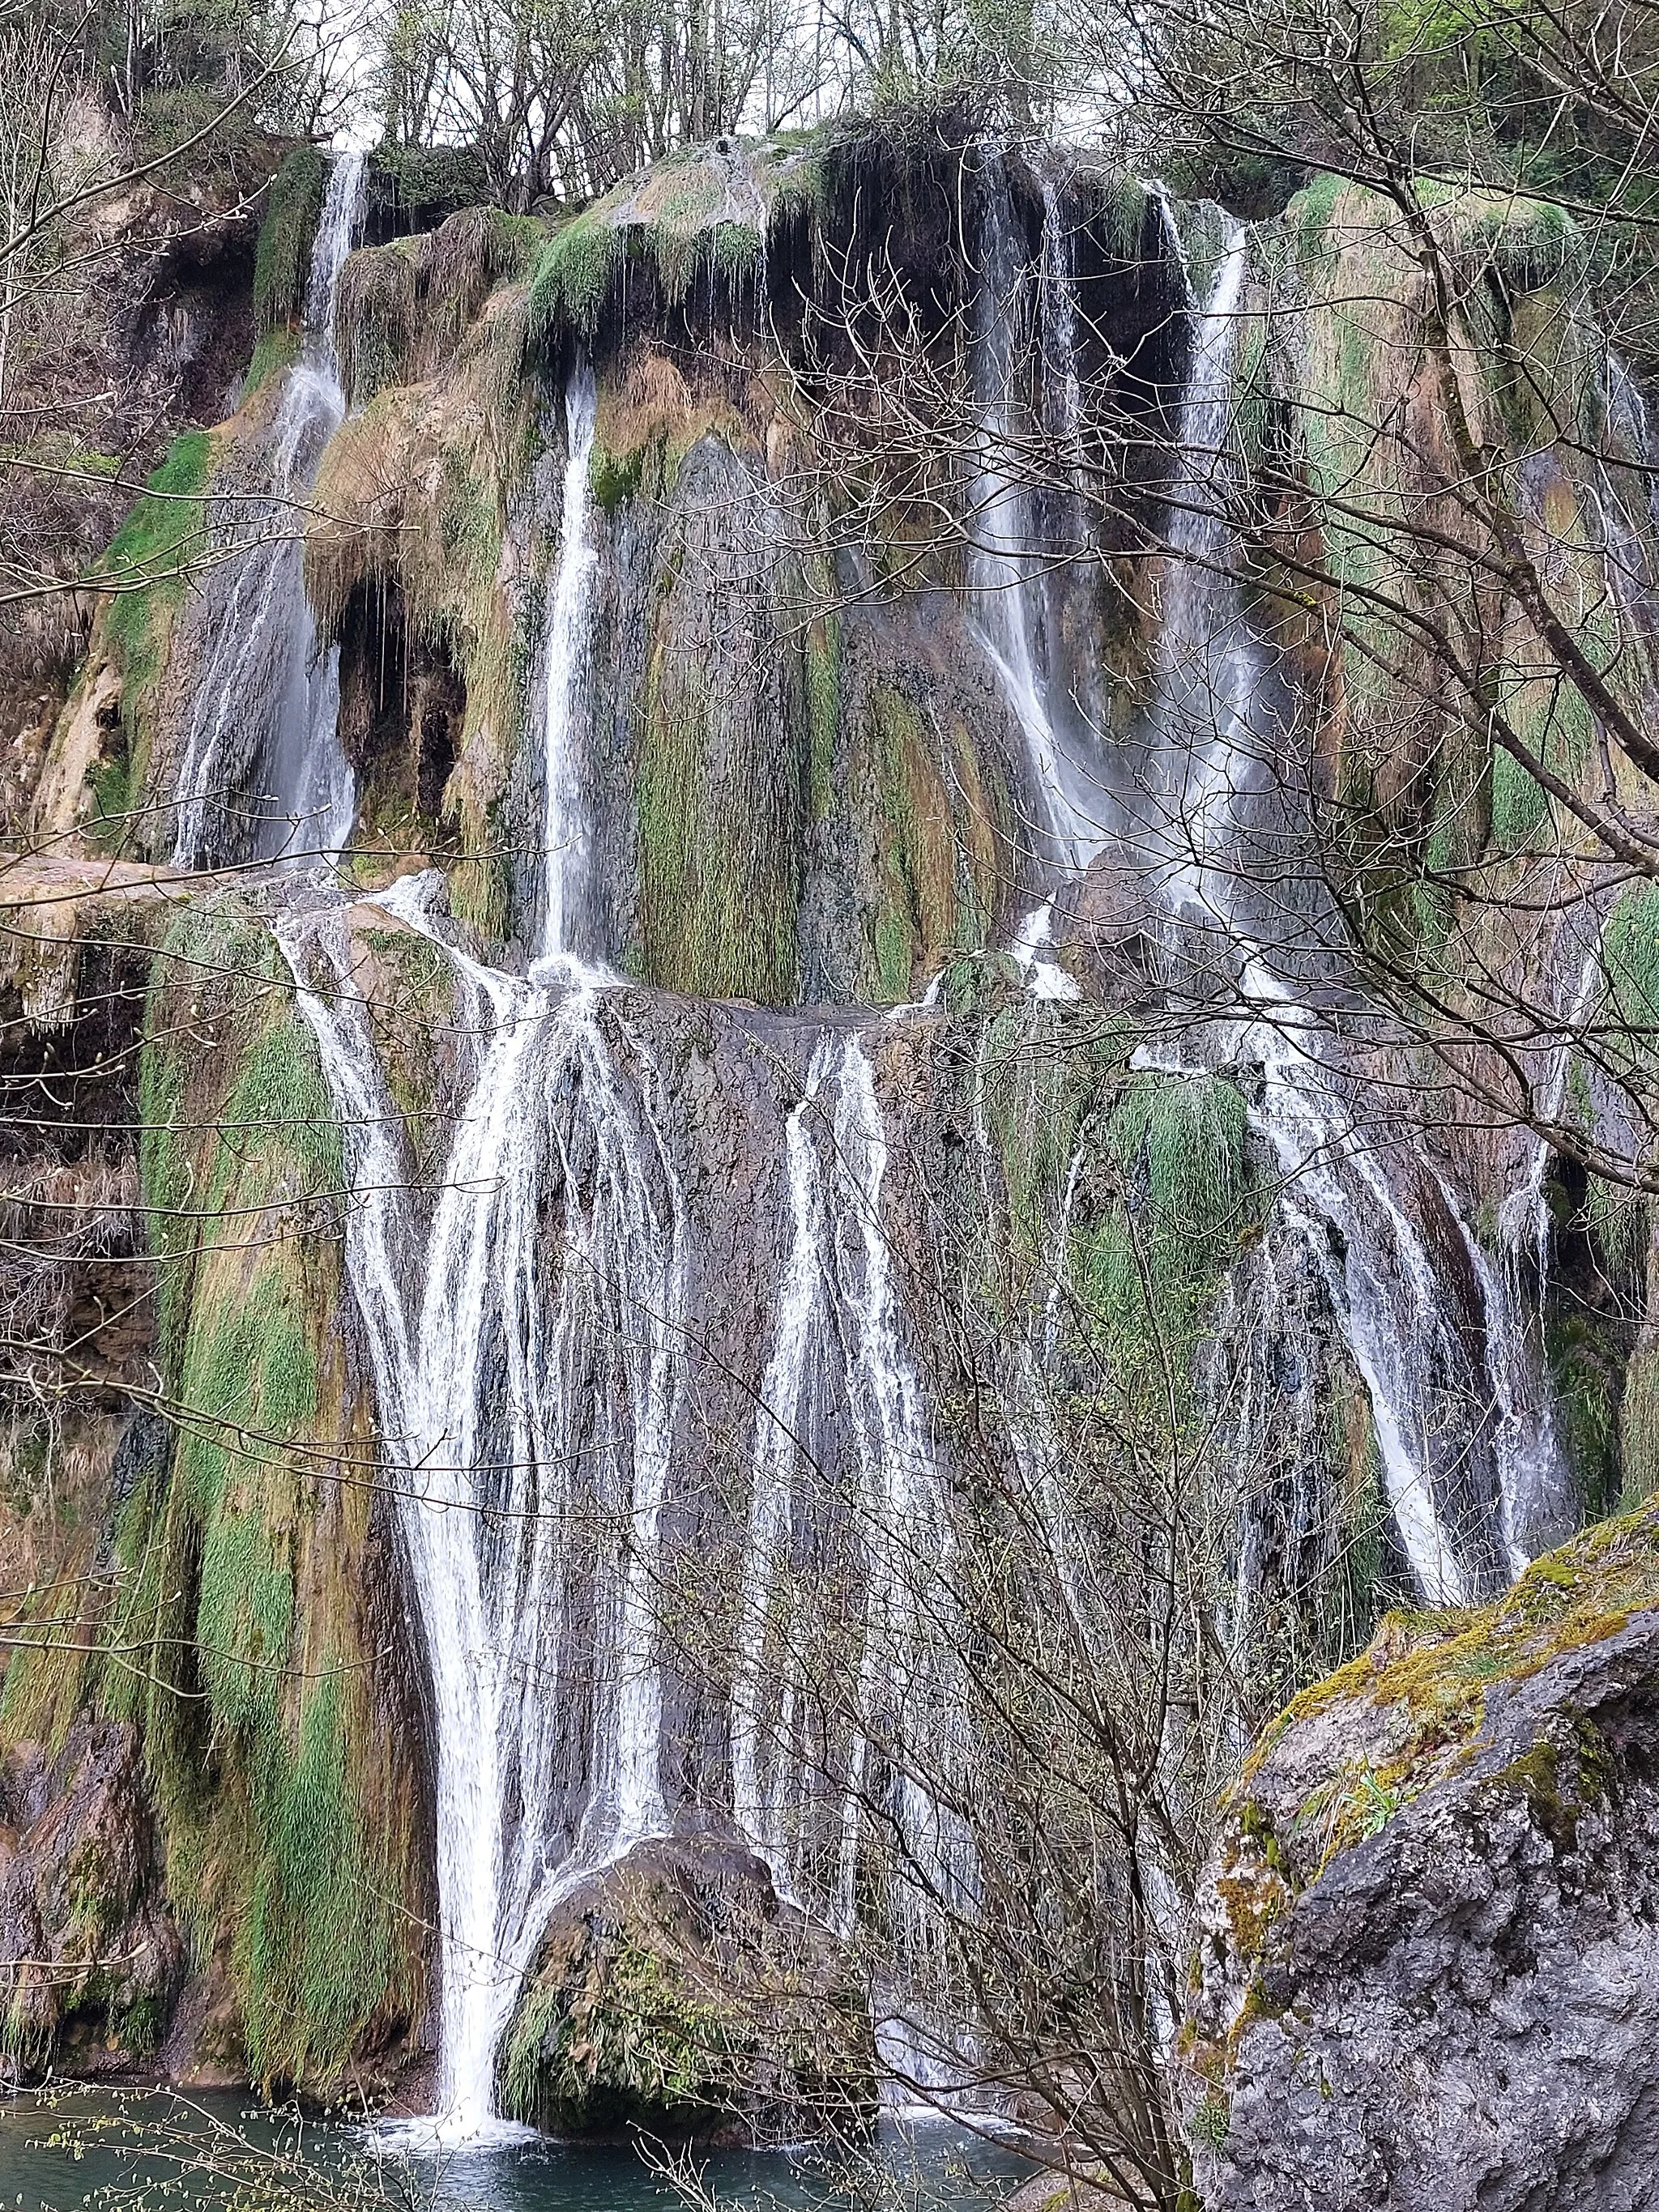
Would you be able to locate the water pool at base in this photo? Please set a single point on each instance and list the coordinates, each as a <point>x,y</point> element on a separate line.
<point>130,2152</point>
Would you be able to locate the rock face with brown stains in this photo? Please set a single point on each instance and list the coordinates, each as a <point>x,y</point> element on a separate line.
<point>1429,1971</point>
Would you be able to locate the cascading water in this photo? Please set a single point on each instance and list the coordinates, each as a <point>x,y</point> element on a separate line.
<point>531,1321</point>
<point>567,858</point>
<point>1353,1180</point>
<point>509,1427</point>
<point>1001,564</point>
<point>843,1427</point>
<point>837,1354</point>
<point>1205,829</point>
<point>262,775</point>
<point>520,1433</point>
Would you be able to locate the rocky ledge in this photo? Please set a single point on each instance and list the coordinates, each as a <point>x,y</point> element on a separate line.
<point>1429,1967</point>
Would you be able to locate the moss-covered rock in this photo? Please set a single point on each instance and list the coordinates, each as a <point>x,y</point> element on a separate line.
<point>89,1955</point>
<point>1427,1970</point>
<point>675,1994</point>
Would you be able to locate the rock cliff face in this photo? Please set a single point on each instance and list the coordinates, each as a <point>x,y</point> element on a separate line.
<point>152,334</point>
<point>593,1330</point>
<point>1431,1932</point>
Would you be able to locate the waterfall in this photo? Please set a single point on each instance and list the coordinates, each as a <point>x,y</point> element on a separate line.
<point>838,1357</point>
<point>261,773</point>
<point>521,1428</point>
<point>1454,1441</point>
<point>1062,389</point>
<point>838,1364</point>
<point>1002,564</point>
<point>568,857</point>
<point>514,1424</point>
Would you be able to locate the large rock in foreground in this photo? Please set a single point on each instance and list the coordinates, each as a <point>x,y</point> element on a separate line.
<point>674,1993</point>
<point>1430,1967</point>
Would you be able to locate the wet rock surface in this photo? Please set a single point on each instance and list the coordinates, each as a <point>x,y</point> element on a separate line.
<point>91,1956</point>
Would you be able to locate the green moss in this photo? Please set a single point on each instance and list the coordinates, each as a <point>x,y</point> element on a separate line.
<point>718,864</point>
<point>283,259</point>
<point>413,1005</point>
<point>1618,1219</point>
<point>1149,1268</point>
<point>1551,721</point>
<point>645,2041</point>
<point>1585,1374</point>
<point>1211,2120</point>
<point>1119,207</point>
<point>277,349</point>
<point>148,561</point>
<point>1639,1428</point>
<point>1531,243</point>
<point>574,278</point>
<point>1630,960</point>
<point>159,533</point>
<point>1431,1671</point>
<point>824,709</point>
<point>934,857</point>
<point>256,1761</point>
<point>614,477</point>
<point>578,273</point>
<point>1520,805</point>
<point>320,1947</point>
<point>1308,218</point>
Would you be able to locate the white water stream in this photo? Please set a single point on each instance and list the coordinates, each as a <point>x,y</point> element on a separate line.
<point>528,1402</point>
<point>1467,1447</point>
<point>261,773</point>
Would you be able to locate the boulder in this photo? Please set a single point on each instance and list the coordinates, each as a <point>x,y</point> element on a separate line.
<point>676,1994</point>
<point>1429,1966</point>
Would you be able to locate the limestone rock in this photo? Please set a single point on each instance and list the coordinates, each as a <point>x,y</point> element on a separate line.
<point>90,1954</point>
<point>1429,1972</point>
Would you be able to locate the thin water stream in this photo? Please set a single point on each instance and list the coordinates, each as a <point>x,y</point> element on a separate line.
<point>261,775</point>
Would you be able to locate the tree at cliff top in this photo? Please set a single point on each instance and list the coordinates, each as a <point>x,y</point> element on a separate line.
<point>565,100</point>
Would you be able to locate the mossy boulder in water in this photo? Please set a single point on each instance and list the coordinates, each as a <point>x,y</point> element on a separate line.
<point>1429,1971</point>
<point>675,1993</point>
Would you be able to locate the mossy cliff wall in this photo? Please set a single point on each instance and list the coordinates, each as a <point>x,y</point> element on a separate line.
<point>238,1692</point>
<point>807,788</point>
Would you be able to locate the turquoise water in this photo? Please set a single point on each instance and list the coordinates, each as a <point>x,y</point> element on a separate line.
<point>118,2154</point>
